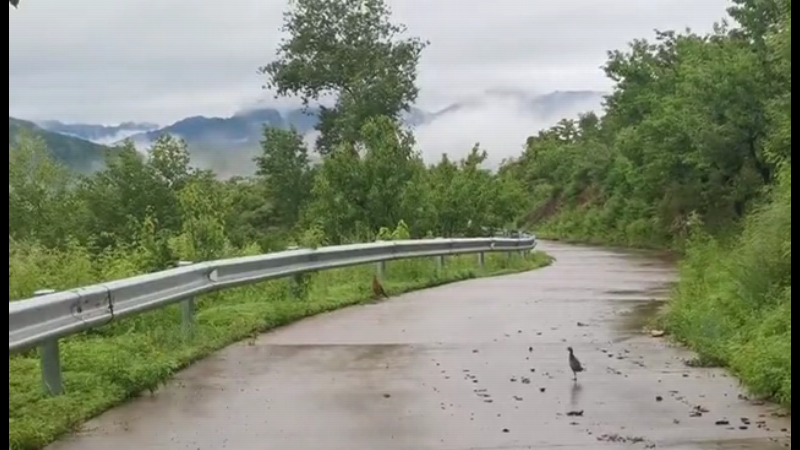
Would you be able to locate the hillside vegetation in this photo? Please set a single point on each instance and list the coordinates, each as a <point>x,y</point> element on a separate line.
<point>693,152</point>
<point>138,214</point>
<point>75,153</point>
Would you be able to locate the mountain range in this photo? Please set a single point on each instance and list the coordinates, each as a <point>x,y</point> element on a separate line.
<point>228,143</point>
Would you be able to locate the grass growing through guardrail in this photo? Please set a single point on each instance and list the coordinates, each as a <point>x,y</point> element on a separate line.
<point>106,367</point>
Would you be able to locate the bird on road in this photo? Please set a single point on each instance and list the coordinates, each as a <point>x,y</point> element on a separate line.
<point>574,364</point>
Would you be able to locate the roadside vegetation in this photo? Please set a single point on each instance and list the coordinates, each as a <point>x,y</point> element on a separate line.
<point>145,212</point>
<point>691,153</point>
<point>107,366</point>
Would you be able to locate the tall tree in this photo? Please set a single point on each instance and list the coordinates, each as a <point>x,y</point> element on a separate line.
<point>348,49</point>
<point>360,189</point>
<point>169,157</point>
<point>285,170</point>
<point>119,198</point>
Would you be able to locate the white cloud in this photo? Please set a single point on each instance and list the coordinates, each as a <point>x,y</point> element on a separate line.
<point>155,60</point>
<point>499,123</point>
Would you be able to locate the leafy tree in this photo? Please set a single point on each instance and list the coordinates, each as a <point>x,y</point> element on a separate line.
<point>248,214</point>
<point>695,124</point>
<point>361,188</point>
<point>118,198</point>
<point>202,236</point>
<point>348,49</point>
<point>286,173</point>
<point>40,200</point>
<point>169,157</point>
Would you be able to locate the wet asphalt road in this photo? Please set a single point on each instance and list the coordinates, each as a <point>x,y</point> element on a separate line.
<point>476,365</point>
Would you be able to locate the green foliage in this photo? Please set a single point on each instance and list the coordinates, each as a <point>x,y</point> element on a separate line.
<point>369,186</point>
<point>351,50</point>
<point>286,172</point>
<point>38,193</point>
<point>473,199</point>
<point>734,301</point>
<point>693,125</point>
<point>696,131</point>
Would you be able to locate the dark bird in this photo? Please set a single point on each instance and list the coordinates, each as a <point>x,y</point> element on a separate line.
<point>574,364</point>
<point>13,3</point>
<point>377,288</point>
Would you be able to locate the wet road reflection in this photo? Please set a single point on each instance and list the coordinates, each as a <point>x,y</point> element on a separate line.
<point>475,365</point>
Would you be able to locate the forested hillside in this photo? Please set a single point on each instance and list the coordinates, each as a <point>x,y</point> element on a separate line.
<point>75,153</point>
<point>693,151</point>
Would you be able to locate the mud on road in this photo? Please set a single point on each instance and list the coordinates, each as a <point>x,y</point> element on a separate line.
<point>477,365</point>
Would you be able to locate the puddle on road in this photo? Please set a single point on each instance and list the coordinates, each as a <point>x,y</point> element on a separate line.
<point>633,320</point>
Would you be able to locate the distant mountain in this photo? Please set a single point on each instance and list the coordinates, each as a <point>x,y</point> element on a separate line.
<point>240,130</point>
<point>243,129</point>
<point>101,134</point>
<point>228,144</point>
<point>563,102</point>
<point>78,154</point>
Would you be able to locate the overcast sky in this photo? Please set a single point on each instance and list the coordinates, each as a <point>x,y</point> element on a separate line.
<point>106,61</point>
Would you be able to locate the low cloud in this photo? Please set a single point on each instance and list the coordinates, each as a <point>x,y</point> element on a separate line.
<point>500,124</point>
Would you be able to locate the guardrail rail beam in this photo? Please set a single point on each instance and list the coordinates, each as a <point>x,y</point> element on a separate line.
<point>47,317</point>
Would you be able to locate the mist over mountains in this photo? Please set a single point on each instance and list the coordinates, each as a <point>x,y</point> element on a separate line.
<point>499,119</point>
<point>99,134</point>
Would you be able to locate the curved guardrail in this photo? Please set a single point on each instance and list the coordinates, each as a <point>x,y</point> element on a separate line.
<point>44,319</point>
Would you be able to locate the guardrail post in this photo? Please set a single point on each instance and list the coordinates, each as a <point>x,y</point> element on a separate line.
<point>50,360</point>
<point>380,268</point>
<point>297,282</point>
<point>187,308</point>
<point>440,262</point>
<point>482,260</point>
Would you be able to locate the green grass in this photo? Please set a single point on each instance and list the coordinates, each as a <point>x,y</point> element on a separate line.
<point>733,304</point>
<point>106,367</point>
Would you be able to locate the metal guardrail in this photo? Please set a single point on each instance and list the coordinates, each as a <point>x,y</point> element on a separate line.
<point>41,321</point>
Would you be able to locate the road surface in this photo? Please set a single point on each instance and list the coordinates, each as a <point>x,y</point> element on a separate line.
<point>476,365</point>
